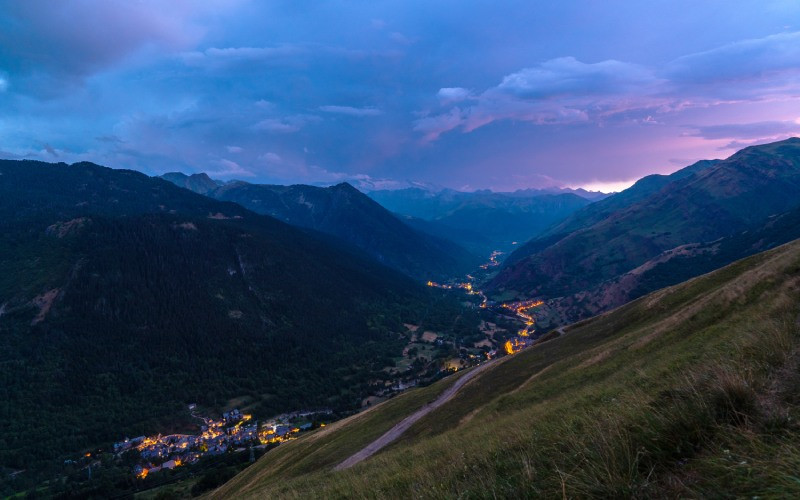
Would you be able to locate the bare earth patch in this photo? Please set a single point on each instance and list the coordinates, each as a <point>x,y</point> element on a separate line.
<point>597,358</point>
<point>429,336</point>
<point>187,225</point>
<point>61,229</point>
<point>44,302</point>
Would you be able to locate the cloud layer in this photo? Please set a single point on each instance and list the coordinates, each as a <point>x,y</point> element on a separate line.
<point>565,90</point>
<point>455,93</point>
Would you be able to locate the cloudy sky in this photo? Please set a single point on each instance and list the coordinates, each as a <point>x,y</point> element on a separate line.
<point>466,94</point>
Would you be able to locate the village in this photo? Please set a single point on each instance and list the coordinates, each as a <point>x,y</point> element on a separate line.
<point>234,432</point>
<point>524,337</point>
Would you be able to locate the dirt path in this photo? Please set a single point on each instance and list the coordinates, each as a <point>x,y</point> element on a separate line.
<point>398,430</point>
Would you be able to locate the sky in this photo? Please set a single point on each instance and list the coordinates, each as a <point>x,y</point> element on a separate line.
<point>464,94</point>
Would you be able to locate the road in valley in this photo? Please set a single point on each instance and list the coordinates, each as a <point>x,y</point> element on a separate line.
<point>398,430</point>
<point>519,308</point>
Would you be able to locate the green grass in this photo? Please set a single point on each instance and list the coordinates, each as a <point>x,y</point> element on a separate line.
<point>181,489</point>
<point>691,391</point>
<point>425,350</point>
<point>505,296</point>
<point>328,446</point>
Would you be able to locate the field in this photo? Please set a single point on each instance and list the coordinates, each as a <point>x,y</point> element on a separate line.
<point>690,391</point>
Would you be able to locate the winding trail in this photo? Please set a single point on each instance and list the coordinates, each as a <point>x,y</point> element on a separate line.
<point>398,430</point>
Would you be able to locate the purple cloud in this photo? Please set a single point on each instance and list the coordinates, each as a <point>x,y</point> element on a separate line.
<point>218,57</point>
<point>747,131</point>
<point>285,125</point>
<point>565,90</point>
<point>73,38</point>
<point>760,58</point>
<point>270,157</point>
<point>453,94</point>
<point>483,97</point>
<point>434,126</point>
<point>558,91</point>
<point>350,110</point>
<point>566,76</point>
<point>109,139</point>
<point>741,135</point>
<point>228,168</point>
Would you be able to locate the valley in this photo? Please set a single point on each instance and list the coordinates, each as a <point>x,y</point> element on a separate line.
<point>574,391</point>
<point>157,461</point>
<point>249,318</point>
<point>619,248</point>
<point>448,415</point>
<point>389,250</point>
<point>434,351</point>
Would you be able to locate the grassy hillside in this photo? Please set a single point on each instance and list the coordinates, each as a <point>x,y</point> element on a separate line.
<point>692,391</point>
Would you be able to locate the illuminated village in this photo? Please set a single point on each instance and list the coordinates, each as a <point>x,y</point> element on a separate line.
<point>234,432</point>
<point>493,262</point>
<point>521,309</point>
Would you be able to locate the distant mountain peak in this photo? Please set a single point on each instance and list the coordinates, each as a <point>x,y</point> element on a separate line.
<point>345,186</point>
<point>200,183</point>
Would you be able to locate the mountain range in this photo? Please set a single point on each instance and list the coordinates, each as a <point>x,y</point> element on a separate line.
<point>346,213</point>
<point>484,221</point>
<point>609,252</point>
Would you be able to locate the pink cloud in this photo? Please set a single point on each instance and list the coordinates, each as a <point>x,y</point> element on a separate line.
<point>566,90</point>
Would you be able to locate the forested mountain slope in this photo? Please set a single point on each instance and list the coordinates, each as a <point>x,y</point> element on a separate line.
<point>123,298</point>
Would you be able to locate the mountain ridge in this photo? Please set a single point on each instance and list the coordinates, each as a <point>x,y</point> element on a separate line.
<point>343,211</point>
<point>714,200</point>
